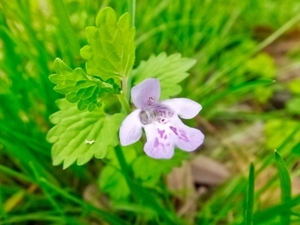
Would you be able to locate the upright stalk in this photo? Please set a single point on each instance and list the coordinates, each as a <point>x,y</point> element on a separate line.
<point>124,103</point>
<point>131,10</point>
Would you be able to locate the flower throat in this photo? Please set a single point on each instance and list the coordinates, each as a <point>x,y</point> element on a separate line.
<point>155,113</point>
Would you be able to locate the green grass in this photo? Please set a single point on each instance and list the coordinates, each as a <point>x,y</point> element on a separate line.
<point>234,44</point>
<point>248,219</point>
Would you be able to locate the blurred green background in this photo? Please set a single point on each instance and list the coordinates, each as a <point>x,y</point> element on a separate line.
<point>246,78</point>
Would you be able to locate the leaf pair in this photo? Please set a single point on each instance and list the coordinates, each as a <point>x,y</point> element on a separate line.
<point>81,135</point>
<point>110,57</point>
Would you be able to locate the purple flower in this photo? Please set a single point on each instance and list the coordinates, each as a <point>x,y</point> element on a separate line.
<point>164,130</point>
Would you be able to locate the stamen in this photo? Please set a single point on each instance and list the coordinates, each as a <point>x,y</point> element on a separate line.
<point>155,113</point>
<point>144,117</point>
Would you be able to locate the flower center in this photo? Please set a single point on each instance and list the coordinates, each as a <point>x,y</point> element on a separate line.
<point>155,113</point>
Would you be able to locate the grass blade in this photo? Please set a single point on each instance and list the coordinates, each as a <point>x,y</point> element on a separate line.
<point>248,213</point>
<point>285,184</point>
<point>262,217</point>
<point>236,90</point>
<point>107,216</point>
<point>69,43</point>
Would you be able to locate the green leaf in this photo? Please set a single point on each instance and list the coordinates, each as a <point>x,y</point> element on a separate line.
<point>150,170</point>
<point>81,135</point>
<point>112,179</point>
<point>66,78</point>
<point>78,87</point>
<point>285,184</point>
<point>113,182</point>
<point>170,70</point>
<point>111,49</point>
<point>250,197</point>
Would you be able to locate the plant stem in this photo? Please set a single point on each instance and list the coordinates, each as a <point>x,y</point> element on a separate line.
<point>131,10</point>
<point>122,161</point>
<point>124,103</point>
<point>140,194</point>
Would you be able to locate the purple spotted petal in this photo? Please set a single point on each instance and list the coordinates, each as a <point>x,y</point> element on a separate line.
<point>159,143</point>
<point>185,138</point>
<point>131,129</point>
<point>184,107</point>
<point>146,92</point>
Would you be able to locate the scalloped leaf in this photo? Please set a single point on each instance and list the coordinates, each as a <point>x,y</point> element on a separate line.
<point>111,49</point>
<point>170,70</point>
<point>81,135</point>
<point>78,87</point>
<point>66,78</point>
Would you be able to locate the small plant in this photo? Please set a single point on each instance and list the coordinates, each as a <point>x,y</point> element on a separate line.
<point>101,95</point>
<point>125,134</point>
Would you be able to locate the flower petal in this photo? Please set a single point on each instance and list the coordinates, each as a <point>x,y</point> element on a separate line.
<point>159,143</point>
<point>131,128</point>
<point>184,107</point>
<point>146,92</point>
<point>185,138</point>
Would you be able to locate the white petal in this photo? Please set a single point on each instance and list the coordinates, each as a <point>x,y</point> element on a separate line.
<point>185,138</point>
<point>145,92</point>
<point>131,128</point>
<point>184,107</point>
<point>159,143</point>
